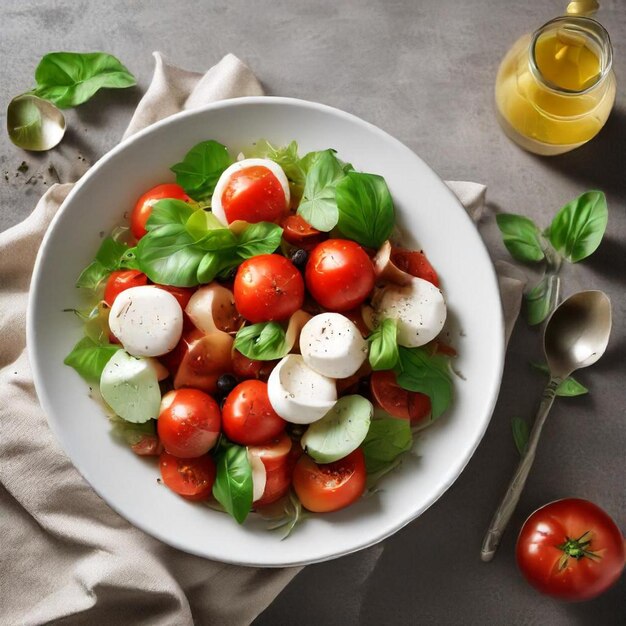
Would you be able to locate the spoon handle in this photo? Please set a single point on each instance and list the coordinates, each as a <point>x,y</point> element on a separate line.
<point>516,486</point>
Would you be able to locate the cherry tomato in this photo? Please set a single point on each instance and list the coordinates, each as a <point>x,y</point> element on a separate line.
<point>329,486</point>
<point>253,194</point>
<point>182,294</point>
<point>268,288</point>
<point>143,208</point>
<point>397,401</point>
<point>248,417</point>
<point>415,263</point>
<point>148,445</point>
<point>192,478</point>
<point>570,549</point>
<point>189,422</point>
<point>275,456</point>
<point>120,280</point>
<point>298,232</point>
<point>339,274</point>
<point>245,368</point>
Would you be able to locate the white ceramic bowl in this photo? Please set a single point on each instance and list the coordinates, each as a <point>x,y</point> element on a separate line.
<point>431,217</point>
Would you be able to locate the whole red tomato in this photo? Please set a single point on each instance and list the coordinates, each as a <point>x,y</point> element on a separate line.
<point>121,280</point>
<point>339,274</point>
<point>570,549</point>
<point>143,208</point>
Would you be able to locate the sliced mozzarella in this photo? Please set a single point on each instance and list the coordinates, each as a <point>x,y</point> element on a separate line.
<point>147,320</point>
<point>299,394</point>
<point>332,345</point>
<point>212,308</point>
<point>129,385</point>
<point>419,308</point>
<point>259,476</point>
<point>216,200</point>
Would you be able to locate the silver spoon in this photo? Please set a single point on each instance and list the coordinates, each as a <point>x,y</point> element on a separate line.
<point>576,336</point>
<point>34,123</point>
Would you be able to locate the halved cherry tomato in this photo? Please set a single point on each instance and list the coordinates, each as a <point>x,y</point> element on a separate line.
<point>245,368</point>
<point>143,208</point>
<point>253,194</point>
<point>339,274</point>
<point>330,486</point>
<point>275,456</point>
<point>268,287</point>
<point>189,422</point>
<point>571,549</point>
<point>298,232</point>
<point>148,445</point>
<point>120,280</point>
<point>182,294</point>
<point>414,262</point>
<point>248,417</point>
<point>397,401</point>
<point>191,478</point>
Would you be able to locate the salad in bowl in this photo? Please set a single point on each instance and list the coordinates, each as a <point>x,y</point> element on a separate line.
<point>260,330</point>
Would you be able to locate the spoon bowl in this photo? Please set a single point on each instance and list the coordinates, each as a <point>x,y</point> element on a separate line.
<point>577,333</point>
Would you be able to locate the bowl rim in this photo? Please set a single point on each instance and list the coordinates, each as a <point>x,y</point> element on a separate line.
<point>37,372</point>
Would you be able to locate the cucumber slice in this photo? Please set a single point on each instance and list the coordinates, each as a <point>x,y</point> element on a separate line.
<point>129,385</point>
<point>341,431</point>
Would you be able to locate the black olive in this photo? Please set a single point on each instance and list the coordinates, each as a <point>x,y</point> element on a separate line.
<point>363,388</point>
<point>299,258</point>
<point>225,384</point>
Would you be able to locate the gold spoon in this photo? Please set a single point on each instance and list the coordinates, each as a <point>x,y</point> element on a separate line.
<point>582,7</point>
<point>576,336</point>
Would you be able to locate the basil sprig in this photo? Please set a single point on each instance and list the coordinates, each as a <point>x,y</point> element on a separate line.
<point>264,341</point>
<point>383,353</point>
<point>319,204</point>
<point>575,233</point>
<point>110,257</point>
<point>386,440</point>
<point>89,358</point>
<point>286,156</point>
<point>233,481</point>
<point>417,370</point>
<point>173,253</point>
<point>365,207</point>
<point>201,168</point>
<point>68,79</point>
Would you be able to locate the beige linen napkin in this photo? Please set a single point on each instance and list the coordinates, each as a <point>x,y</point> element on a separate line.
<point>65,554</point>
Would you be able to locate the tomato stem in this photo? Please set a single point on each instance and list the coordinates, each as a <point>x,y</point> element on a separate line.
<point>577,549</point>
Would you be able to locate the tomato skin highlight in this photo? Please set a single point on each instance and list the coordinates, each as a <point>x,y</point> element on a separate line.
<point>143,207</point>
<point>268,288</point>
<point>339,274</point>
<point>248,417</point>
<point>397,401</point>
<point>188,423</point>
<point>191,478</point>
<point>121,280</point>
<point>327,487</point>
<point>253,194</point>
<point>551,533</point>
<point>414,262</point>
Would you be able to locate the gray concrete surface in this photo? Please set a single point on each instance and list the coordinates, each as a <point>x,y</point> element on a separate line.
<point>424,71</point>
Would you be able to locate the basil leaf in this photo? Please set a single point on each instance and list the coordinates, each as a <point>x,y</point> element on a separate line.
<point>387,438</point>
<point>199,171</point>
<point>260,238</point>
<point>265,341</point>
<point>417,370</point>
<point>366,212</point>
<point>521,236</point>
<point>214,264</point>
<point>169,211</point>
<point>577,229</point>
<point>542,299</point>
<point>521,432</point>
<point>219,239</point>
<point>89,358</point>
<point>201,221</point>
<point>169,256</point>
<point>129,260</point>
<point>319,205</point>
<point>131,432</point>
<point>233,482</point>
<point>383,353</point>
<point>286,156</point>
<point>70,78</point>
<point>569,388</point>
<point>108,259</point>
